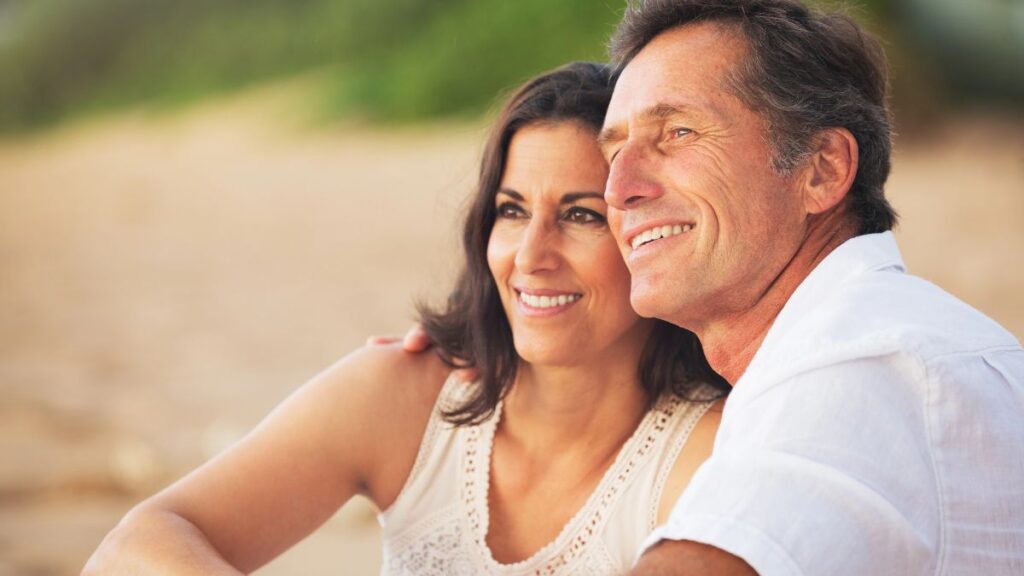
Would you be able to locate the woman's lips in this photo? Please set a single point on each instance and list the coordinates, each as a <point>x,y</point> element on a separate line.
<point>545,301</point>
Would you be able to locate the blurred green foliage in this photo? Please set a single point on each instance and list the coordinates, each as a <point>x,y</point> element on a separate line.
<point>389,60</point>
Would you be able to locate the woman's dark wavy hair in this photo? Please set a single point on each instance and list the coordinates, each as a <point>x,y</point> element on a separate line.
<point>471,330</point>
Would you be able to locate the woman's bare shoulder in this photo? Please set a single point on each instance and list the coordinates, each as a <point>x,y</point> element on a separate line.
<point>390,395</point>
<point>389,376</point>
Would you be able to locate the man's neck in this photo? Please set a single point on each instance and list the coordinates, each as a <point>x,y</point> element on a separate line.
<point>731,342</point>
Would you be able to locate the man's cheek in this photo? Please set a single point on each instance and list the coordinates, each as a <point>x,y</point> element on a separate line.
<point>615,223</point>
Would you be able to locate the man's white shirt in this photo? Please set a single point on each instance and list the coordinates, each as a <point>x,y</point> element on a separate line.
<point>879,429</point>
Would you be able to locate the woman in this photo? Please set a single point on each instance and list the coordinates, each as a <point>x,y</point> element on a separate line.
<point>574,441</point>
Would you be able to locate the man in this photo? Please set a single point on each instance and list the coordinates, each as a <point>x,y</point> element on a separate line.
<point>876,424</point>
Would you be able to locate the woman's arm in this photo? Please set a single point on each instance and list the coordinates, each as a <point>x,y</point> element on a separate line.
<point>149,540</point>
<point>355,428</point>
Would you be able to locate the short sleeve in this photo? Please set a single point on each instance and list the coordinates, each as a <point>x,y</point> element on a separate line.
<point>820,474</point>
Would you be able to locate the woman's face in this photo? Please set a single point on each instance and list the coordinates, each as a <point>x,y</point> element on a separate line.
<point>562,281</point>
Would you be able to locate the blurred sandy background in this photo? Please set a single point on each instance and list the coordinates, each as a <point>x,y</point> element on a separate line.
<point>167,277</point>
<point>167,281</point>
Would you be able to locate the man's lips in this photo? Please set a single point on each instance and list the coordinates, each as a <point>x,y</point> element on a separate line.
<point>652,232</point>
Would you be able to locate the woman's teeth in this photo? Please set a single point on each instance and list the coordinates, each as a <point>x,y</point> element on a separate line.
<point>547,301</point>
<point>659,232</point>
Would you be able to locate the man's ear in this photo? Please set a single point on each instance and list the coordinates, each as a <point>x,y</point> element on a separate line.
<point>830,169</point>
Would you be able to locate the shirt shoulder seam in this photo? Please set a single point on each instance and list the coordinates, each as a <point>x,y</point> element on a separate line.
<point>940,488</point>
<point>970,352</point>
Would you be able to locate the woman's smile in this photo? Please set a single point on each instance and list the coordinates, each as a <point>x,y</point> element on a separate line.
<point>545,302</point>
<point>559,273</point>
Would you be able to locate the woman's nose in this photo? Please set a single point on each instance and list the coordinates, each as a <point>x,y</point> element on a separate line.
<point>537,249</point>
<point>632,179</point>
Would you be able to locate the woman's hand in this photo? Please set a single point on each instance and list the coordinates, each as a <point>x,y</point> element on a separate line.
<point>416,340</point>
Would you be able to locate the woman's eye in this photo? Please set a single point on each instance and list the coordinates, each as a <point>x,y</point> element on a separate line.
<point>510,210</point>
<point>578,215</point>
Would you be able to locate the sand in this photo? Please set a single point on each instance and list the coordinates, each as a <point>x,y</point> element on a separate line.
<point>166,280</point>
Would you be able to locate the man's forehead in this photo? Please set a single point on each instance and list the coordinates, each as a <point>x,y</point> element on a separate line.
<point>700,41</point>
<point>683,68</point>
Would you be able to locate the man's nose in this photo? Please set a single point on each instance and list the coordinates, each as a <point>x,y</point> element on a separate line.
<point>631,179</point>
<point>537,251</point>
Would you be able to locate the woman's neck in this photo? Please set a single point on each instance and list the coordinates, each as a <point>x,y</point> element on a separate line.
<point>591,408</point>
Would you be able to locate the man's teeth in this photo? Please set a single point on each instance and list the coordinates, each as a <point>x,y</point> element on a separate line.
<point>547,301</point>
<point>658,233</point>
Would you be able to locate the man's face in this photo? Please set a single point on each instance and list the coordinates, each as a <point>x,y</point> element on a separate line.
<point>704,223</point>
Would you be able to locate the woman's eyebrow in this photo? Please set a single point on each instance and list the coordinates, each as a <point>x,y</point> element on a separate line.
<point>509,192</point>
<point>571,197</point>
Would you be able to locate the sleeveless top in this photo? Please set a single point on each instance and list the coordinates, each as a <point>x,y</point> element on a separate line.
<point>438,524</point>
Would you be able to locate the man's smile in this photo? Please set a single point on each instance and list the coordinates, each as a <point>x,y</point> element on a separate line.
<point>647,234</point>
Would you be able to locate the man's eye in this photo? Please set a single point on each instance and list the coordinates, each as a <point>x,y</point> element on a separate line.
<point>510,210</point>
<point>680,132</point>
<point>578,215</point>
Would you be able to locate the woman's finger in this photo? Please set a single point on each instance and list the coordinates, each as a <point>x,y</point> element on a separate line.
<point>382,340</point>
<point>417,340</point>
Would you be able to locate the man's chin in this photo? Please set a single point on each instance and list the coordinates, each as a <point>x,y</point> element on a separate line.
<point>651,300</point>
<point>647,302</point>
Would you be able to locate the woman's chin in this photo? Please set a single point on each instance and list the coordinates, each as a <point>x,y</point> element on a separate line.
<point>544,352</point>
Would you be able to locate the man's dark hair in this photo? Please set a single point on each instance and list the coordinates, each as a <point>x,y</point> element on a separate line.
<point>472,329</point>
<point>805,71</point>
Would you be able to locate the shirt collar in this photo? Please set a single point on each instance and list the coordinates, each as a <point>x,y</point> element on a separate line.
<point>856,256</point>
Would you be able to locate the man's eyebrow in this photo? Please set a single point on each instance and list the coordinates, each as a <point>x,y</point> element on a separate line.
<point>571,197</point>
<point>657,112</point>
<point>508,192</point>
<point>662,111</point>
<point>609,136</point>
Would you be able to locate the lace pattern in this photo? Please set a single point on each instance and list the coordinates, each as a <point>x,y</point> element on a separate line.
<point>704,394</point>
<point>453,541</point>
<point>434,547</point>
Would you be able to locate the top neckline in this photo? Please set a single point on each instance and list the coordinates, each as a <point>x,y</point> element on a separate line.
<point>585,522</point>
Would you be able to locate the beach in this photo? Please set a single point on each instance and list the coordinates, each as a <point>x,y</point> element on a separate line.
<point>166,279</point>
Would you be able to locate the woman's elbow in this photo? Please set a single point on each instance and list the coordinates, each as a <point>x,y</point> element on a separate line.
<point>153,540</point>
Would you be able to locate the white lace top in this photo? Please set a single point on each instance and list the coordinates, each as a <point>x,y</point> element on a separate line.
<point>438,524</point>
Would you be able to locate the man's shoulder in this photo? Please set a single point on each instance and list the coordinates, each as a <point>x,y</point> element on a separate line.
<point>913,311</point>
<point>885,330</point>
<point>877,314</point>
<point>899,386</point>
<point>882,403</point>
